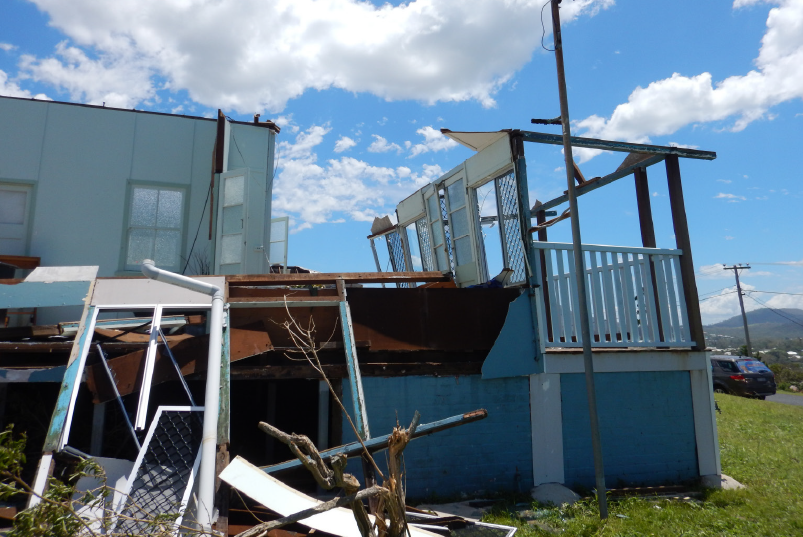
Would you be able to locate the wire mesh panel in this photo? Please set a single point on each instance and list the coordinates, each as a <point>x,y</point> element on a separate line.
<point>165,470</point>
<point>509,226</point>
<point>424,244</point>
<point>396,252</point>
<point>446,231</point>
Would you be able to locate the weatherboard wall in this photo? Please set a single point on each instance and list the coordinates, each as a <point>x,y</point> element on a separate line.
<point>490,455</point>
<point>646,424</point>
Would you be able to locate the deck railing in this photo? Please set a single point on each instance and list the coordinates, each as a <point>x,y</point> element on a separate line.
<point>635,297</point>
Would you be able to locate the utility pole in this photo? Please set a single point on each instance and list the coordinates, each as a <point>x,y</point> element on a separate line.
<point>736,269</point>
<point>579,268</point>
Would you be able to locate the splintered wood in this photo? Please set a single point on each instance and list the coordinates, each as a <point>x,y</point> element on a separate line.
<point>389,519</point>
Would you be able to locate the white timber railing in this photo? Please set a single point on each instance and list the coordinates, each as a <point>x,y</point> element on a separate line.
<point>635,297</point>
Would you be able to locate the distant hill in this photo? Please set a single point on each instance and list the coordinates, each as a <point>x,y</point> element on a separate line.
<point>763,324</point>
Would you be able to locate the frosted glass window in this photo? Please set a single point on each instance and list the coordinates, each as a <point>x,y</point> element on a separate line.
<point>460,222</point>
<point>233,191</point>
<point>278,230</point>
<point>232,219</point>
<point>155,227</point>
<point>231,249</point>
<point>457,195</point>
<point>463,247</point>
<point>12,206</point>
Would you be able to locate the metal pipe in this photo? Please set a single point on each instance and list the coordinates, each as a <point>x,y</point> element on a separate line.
<point>206,477</point>
<point>579,268</point>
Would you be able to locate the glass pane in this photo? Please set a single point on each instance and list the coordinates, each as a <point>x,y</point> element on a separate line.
<point>232,219</point>
<point>278,230</point>
<point>278,252</point>
<point>233,190</point>
<point>432,206</point>
<point>12,206</point>
<point>457,195</point>
<point>464,254</point>
<point>140,246</point>
<point>460,222</point>
<point>437,235</point>
<point>167,247</point>
<point>231,249</point>
<point>143,206</point>
<point>415,249</point>
<point>170,206</point>
<point>443,262</point>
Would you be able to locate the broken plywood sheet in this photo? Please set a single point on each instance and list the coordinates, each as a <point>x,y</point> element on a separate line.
<point>285,500</point>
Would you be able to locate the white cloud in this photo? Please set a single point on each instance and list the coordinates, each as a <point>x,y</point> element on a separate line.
<point>286,122</point>
<point>733,198</point>
<point>712,272</point>
<point>744,3</point>
<point>667,105</point>
<point>11,89</point>
<point>726,181</point>
<point>119,80</point>
<point>344,143</point>
<point>345,188</point>
<point>724,304</point>
<point>254,56</point>
<point>434,140</point>
<point>8,47</point>
<point>381,145</point>
<point>729,237</point>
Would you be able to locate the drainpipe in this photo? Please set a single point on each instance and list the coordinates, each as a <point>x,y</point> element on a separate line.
<point>206,478</point>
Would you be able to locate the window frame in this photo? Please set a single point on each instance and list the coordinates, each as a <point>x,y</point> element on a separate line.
<point>185,190</point>
<point>30,187</point>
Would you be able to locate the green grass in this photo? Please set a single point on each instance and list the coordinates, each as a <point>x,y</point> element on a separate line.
<point>761,446</point>
<point>787,392</point>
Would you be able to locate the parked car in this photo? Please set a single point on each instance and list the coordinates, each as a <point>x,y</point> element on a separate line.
<point>740,375</point>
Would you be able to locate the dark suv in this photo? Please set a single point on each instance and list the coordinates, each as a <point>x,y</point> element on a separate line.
<point>740,375</point>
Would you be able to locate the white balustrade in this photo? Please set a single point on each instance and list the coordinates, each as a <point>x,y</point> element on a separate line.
<point>635,297</point>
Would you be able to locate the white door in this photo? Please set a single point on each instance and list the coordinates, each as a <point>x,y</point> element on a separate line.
<point>15,209</point>
<point>461,231</point>
<point>437,234</point>
<point>230,250</point>
<point>278,242</point>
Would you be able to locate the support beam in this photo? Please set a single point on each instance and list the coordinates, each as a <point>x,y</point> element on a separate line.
<point>348,277</point>
<point>647,234</point>
<point>681,226</point>
<point>608,145</point>
<point>540,218</point>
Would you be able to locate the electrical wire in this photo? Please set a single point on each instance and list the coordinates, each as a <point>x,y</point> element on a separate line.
<point>715,296</point>
<point>773,310</point>
<point>543,28</point>
<point>200,221</point>
<point>774,292</point>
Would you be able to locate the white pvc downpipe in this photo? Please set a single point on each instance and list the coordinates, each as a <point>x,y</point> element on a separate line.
<point>206,477</point>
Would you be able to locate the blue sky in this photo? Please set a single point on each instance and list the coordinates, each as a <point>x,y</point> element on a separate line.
<point>362,89</point>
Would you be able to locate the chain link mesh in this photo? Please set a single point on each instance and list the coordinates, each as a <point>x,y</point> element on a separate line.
<point>447,234</point>
<point>396,252</point>
<point>165,471</point>
<point>511,228</point>
<point>424,244</point>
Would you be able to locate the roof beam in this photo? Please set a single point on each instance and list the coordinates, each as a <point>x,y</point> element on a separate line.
<point>607,145</point>
<point>318,278</point>
<point>598,182</point>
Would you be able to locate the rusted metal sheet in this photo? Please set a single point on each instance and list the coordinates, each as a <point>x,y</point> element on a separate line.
<point>128,368</point>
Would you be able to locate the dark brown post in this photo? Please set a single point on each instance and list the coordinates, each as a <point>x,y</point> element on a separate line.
<point>684,244</point>
<point>647,233</point>
<point>540,218</point>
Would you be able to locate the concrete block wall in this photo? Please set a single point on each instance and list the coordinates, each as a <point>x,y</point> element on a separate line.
<point>647,428</point>
<point>490,455</point>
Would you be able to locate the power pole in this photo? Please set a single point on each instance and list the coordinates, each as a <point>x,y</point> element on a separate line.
<point>579,268</point>
<point>735,269</point>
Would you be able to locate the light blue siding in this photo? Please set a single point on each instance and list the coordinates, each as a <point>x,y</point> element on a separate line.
<point>494,454</point>
<point>646,423</point>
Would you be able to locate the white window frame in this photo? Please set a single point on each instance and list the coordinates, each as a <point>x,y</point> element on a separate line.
<point>184,191</point>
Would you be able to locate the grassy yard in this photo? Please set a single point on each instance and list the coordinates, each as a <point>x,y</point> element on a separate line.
<point>761,447</point>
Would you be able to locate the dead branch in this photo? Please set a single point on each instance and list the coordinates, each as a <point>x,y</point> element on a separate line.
<point>265,527</point>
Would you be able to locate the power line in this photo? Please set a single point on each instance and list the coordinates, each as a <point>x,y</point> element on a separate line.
<point>717,296</point>
<point>775,311</point>
<point>774,292</point>
<point>717,291</point>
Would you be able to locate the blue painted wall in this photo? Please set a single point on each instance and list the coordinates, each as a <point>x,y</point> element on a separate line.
<point>481,456</point>
<point>646,423</point>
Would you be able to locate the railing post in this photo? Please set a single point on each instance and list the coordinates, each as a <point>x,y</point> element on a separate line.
<point>684,244</point>
<point>540,217</point>
<point>648,234</point>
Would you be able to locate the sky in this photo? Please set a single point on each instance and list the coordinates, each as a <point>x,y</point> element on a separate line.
<point>361,91</point>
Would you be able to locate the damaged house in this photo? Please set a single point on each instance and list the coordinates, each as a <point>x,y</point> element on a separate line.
<point>122,360</point>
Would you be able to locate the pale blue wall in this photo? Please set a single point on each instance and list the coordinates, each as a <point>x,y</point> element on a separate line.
<point>647,428</point>
<point>480,456</point>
